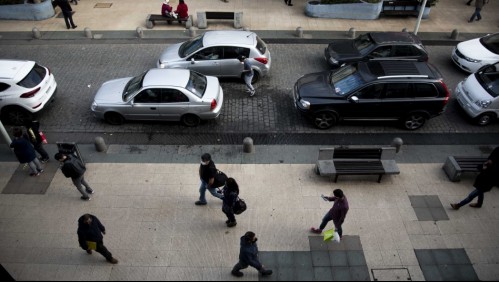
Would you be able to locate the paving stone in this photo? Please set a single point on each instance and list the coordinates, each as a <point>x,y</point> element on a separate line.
<point>285,274</point>
<point>438,214</point>
<point>459,256</point>
<point>341,274</point>
<point>356,258</point>
<point>338,258</point>
<point>442,257</point>
<point>317,243</point>
<point>351,243</point>
<point>457,273</point>
<point>302,259</point>
<point>431,273</point>
<point>433,201</point>
<point>285,259</point>
<point>392,274</point>
<point>323,273</point>
<point>418,201</point>
<point>268,259</point>
<point>425,257</point>
<point>320,258</point>
<point>304,274</point>
<point>360,273</point>
<point>423,214</point>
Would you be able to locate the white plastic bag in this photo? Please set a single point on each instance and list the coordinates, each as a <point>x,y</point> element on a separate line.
<point>336,237</point>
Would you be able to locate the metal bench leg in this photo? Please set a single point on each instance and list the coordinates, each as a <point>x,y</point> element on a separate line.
<point>336,178</point>
<point>379,178</point>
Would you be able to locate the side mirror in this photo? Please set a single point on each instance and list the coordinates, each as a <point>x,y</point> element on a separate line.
<point>192,61</point>
<point>353,99</point>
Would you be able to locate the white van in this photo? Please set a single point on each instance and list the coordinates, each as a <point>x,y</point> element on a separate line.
<point>478,94</point>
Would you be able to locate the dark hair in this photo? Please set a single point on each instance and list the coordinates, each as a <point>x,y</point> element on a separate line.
<point>86,217</point>
<point>206,157</point>
<point>17,132</point>
<point>181,1</point>
<point>59,156</point>
<point>241,58</point>
<point>249,236</point>
<point>338,193</point>
<point>232,185</point>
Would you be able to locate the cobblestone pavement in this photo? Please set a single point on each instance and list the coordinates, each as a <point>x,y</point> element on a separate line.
<point>80,69</point>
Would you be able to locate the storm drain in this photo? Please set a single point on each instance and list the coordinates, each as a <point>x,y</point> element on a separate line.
<point>391,274</point>
<point>103,5</point>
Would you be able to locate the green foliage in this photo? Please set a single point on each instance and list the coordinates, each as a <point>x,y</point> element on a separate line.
<point>347,1</point>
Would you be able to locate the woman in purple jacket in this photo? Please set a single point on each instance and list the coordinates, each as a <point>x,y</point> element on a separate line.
<point>337,213</point>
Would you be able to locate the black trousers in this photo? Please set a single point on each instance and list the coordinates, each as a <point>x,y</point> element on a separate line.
<point>39,148</point>
<point>229,213</point>
<point>101,249</point>
<point>68,18</point>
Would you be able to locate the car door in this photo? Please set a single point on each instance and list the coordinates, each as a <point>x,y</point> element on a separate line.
<point>174,104</point>
<point>230,65</point>
<point>381,52</point>
<point>207,61</point>
<point>145,105</point>
<point>407,52</point>
<point>397,100</point>
<point>364,103</point>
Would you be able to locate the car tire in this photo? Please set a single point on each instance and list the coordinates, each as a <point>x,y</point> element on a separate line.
<point>17,115</point>
<point>485,119</point>
<point>190,120</point>
<point>114,118</point>
<point>414,121</point>
<point>325,120</point>
<point>256,77</point>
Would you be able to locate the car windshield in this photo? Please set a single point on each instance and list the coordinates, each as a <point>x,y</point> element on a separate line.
<point>346,80</point>
<point>190,46</point>
<point>363,43</point>
<point>489,78</point>
<point>491,42</point>
<point>260,45</point>
<point>133,86</point>
<point>197,84</point>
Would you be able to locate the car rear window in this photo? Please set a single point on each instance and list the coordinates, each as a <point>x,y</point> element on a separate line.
<point>425,90</point>
<point>34,77</point>
<point>197,84</point>
<point>261,46</point>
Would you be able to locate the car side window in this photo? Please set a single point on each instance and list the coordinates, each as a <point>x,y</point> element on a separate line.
<point>381,52</point>
<point>173,96</point>
<point>210,53</point>
<point>4,86</point>
<point>425,90</point>
<point>148,96</point>
<point>406,51</point>
<point>370,92</point>
<point>232,52</point>
<point>397,91</point>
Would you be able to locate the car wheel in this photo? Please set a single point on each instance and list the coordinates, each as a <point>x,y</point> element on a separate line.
<point>256,77</point>
<point>17,115</point>
<point>325,120</point>
<point>485,119</point>
<point>191,120</point>
<point>114,118</point>
<point>414,121</point>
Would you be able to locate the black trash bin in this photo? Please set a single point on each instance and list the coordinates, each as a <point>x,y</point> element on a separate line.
<point>70,148</point>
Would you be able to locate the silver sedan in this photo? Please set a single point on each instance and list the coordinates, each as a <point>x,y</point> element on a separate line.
<point>160,94</point>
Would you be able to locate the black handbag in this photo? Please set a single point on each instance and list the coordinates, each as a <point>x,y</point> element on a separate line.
<point>220,179</point>
<point>239,206</point>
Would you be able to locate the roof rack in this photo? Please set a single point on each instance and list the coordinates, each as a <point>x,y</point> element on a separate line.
<point>403,76</point>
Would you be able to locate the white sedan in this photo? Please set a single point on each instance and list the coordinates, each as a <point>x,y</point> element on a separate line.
<point>473,54</point>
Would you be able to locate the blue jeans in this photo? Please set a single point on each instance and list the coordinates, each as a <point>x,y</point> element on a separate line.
<point>327,218</point>
<point>476,14</point>
<point>471,196</point>
<point>202,192</point>
<point>247,80</point>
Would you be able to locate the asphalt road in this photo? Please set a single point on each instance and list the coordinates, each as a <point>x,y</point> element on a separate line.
<point>269,117</point>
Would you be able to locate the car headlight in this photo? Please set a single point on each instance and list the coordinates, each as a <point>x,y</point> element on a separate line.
<point>472,60</point>
<point>483,104</point>
<point>305,104</point>
<point>94,106</point>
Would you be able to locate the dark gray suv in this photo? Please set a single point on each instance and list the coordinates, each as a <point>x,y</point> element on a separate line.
<point>408,91</point>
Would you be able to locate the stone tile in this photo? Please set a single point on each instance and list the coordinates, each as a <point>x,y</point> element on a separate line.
<point>317,243</point>
<point>285,259</point>
<point>425,257</point>
<point>338,258</point>
<point>285,274</point>
<point>391,258</point>
<point>304,273</point>
<point>418,201</point>
<point>341,274</point>
<point>302,259</point>
<point>321,258</point>
<point>323,274</point>
<point>416,273</point>
<point>413,227</point>
<point>430,228</point>
<point>157,273</point>
<point>431,273</point>
<point>419,241</point>
<point>442,257</point>
<point>268,258</point>
<point>433,201</point>
<point>352,243</point>
<point>439,214</point>
<point>408,257</point>
<point>423,214</point>
<point>356,258</point>
<point>360,273</point>
<point>457,273</point>
<point>459,256</point>
<point>394,274</point>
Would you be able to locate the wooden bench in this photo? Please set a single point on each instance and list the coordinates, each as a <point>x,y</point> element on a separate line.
<point>400,8</point>
<point>152,19</point>
<point>455,166</point>
<point>203,17</point>
<point>334,162</point>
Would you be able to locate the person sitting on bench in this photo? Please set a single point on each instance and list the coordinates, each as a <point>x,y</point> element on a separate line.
<point>166,9</point>
<point>182,10</point>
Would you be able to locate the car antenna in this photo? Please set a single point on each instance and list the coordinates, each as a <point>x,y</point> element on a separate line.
<point>249,34</point>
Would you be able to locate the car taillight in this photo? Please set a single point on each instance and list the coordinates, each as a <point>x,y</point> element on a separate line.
<point>30,94</point>
<point>262,60</point>
<point>447,93</point>
<point>213,104</point>
<point>49,71</point>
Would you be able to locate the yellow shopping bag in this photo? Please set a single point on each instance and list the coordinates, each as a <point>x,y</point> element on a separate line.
<point>92,245</point>
<point>328,235</point>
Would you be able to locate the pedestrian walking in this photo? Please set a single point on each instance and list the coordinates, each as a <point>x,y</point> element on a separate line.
<point>230,192</point>
<point>182,10</point>
<point>34,136</point>
<point>248,74</point>
<point>288,2</point>
<point>207,174</point>
<point>478,8</point>
<point>73,168</point>
<point>248,256</point>
<point>67,12</point>
<point>337,213</point>
<point>25,152</point>
<point>469,2</point>
<point>90,231</point>
<point>166,9</point>
<point>488,178</point>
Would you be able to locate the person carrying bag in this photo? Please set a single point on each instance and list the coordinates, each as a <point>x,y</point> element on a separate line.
<point>231,194</point>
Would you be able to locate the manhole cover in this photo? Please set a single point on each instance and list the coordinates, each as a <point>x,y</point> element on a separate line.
<point>391,274</point>
<point>103,5</point>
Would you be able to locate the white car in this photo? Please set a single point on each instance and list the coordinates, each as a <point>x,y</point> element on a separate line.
<point>25,89</point>
<point>473,54</point>
<point>478,94</point>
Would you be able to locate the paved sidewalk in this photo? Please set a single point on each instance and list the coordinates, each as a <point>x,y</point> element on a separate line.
<point>145,197</point>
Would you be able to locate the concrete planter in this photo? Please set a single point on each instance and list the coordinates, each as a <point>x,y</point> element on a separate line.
<point>353,11</point>
<point>30,12</point>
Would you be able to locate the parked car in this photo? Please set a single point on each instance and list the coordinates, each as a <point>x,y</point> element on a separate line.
<point>160,94</point>
<point>478,94</point>
<point>375,45</point>
<point>215,53</point>
<point>473,54</point>
<point>25,88</point>
<point>408,91</point>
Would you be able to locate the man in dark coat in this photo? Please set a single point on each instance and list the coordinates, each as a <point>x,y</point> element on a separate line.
<point>337,213</point>
<point>488,178</point>
<point>67,12</point>
<point>478,8</point>
<point>248,256</point>
<point>90,231</point>
<point>207,174</point>
<point>73,168</point>
<point>25,152</point>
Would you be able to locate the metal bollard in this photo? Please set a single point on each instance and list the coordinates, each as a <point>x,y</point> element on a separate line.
<point>248,146</point>
<point>351,32</point>
<point>397,143</point>
<point>36,33</point>
<point>88,32</point>
<point>455,34</point>
<point>100,144</point>
<point>192,32</point>
<point>140,32</point>
<point>299,32</point>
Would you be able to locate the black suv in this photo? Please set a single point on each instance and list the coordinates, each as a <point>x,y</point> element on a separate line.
<point>375,45</point>
<point>409,91</point>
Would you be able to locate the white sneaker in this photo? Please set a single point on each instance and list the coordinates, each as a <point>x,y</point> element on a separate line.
<point>252,93</point>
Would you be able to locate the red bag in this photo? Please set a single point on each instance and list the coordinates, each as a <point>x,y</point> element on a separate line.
<point>44,139</point>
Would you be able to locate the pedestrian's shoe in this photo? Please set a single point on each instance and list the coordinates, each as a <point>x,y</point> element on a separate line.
<point>475,206</point>
<point>85,198</point>
<point>113,261</point>
<point>44,161</point>
<point>237,273</point>
<point>40,171</point>
<point>266,272</point>
<point>34,174</point>
<point>90,191</point>
<point>252,93</point>
<point>315,230</point>
<point>455,206</point>
<point>199,203</point>
<point>227,221</point>
<point>75,26</point>
<point>231,224</point>
<point>89,251</point>
<point>470,21</point>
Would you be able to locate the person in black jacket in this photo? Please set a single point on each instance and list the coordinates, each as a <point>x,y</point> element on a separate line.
<point>248,256</point>
<point>67,12</point>
<point>73,168</point>
<point>33,135</point>
<point>231,192</point>
<point>90,231</point>
<point>207,174</point>
<point>488,178</point>
<point>25,152</point>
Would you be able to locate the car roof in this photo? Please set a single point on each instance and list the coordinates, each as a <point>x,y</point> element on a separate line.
<point>395,37</point>
<point>231,37</point>
<point>11,69</point>
<point>399,69</point>
<point>166,77</point>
